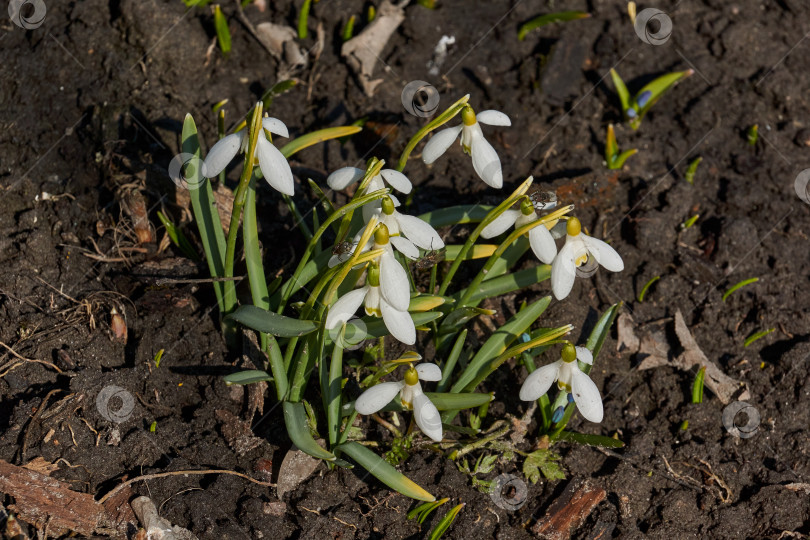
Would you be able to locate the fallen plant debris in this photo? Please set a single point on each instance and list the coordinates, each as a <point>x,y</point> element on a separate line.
<point>654,351</point>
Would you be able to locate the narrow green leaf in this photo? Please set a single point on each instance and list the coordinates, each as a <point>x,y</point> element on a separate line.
<point>646,287</point>
<point>689,222</point>
<point>303,18</point>
<point>697,385</point>
<point>427,302</point>
<point>456,215</point>
<point>738,286</point>
<point>655,90</point>
<point>223,34</point>
<point>315,137</point>
<point>590,440</point>
<point>348,30</point>
<point>384,471</point>
<point>452,360</point>
<point>509,283</point>
<point>269,322</point>
<point>478,251</point>
<point>249,376</point>
<point>601,330</point>
<point>446,522</point>
<point>205,212</point>
<point>618,163</point>
<point>692,169</point>
<point>334,389</point>
<point>461,316</point>
<point>611,148</point>
<point>178,238</point>
<point>500,341</point>
<point>542,20</point>
<point>753,337</point>
<point>621,90</point>
<point>295,418</point>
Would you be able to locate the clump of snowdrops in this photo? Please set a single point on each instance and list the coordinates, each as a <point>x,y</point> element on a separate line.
<point>354,284</point>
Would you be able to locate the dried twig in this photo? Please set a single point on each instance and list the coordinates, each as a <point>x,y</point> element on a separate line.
<point>119,487</point>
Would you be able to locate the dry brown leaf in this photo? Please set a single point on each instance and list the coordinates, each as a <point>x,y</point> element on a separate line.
<point>363,52</point>
<point>40,465</point>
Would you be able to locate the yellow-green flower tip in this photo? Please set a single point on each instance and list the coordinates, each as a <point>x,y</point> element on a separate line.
<point>526,206</point>
<point>573,227</point>
<point>381,235</point>
<point>468,116</point>
<point>569,353</point>
<point>387,206</point>
<point>411,376</point>
<point>374,275</point>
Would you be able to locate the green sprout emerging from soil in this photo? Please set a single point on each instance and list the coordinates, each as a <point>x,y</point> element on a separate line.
<point>636,107</point>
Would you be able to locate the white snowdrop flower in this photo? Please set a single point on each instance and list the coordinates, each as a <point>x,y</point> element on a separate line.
<point>410,395</point>
<point>342,178</point>
<point>407,233</point>
<point>569,378</point>
<point>540,238</point>
<point>578,248</point>
<point>272,162</point>
<point>485,159</point>
<point>386,294</point>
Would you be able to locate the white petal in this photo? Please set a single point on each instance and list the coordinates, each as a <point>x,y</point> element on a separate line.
<point>427,417</point>
<point>586,396</point>
<point>375,184</point>
<point>439,143</point>
<point>405,246</point>
<point>493,118</point>
<point>397,180</point>
<point>603,253</point>
<point>370,209</point>
<point>584,355</point>
<point>429,372</point>
<point>344,177</point>
<point>419,232</point>
<point>274,125</point>
<point>377,397</point>
<point>221,154</point>
<point>394,284</point>
<point>485,160</point>
<point>373,301</point>
<point>345,307</point>
<point>563,271</point>
<point>539,381</point>
<point>543,244</point>
<point>399,323</point>
<point>500,224</point>
<point>274,167</point>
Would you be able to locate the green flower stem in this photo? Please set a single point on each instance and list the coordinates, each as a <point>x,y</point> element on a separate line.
<point>239,199</point>
<point>440,120</point>
<point>290,285</point>
<point>345,433</point>
<point>299,219</point>
<point>500,209</point>
<point>503,429</point>
<point>476,282</point>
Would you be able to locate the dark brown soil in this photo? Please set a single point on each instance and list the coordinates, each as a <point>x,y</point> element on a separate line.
<point>93,100</point>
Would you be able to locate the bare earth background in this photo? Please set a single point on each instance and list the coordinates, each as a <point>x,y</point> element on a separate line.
<point>92,101</point>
